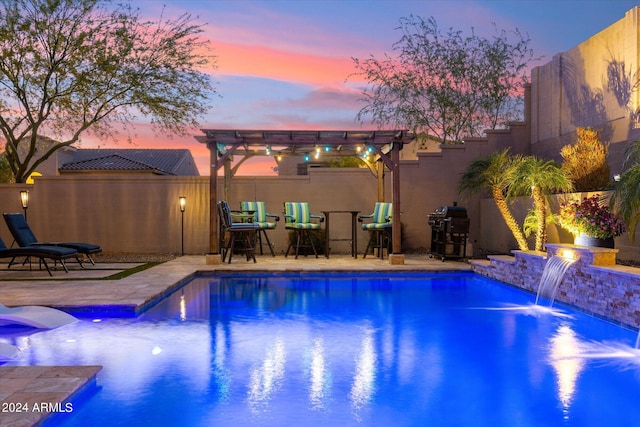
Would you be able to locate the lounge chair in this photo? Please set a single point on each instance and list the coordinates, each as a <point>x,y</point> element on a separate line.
<point>299,219</point>
<point>23,235</point>
<point>261,218</point>
<point>35,316</point>
<point>42,252</point>
<point>379,227</point>
<point>232,230</point>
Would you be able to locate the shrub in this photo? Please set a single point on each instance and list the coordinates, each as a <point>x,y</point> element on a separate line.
<point>586,161</point>
<point>590,217</point>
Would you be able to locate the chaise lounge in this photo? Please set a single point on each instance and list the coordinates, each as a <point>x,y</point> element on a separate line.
<point>42,252</point>
<point>35,316</point>
<point>23,235</point>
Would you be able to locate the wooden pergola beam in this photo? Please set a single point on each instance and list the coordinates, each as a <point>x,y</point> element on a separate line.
<point>223,143</point>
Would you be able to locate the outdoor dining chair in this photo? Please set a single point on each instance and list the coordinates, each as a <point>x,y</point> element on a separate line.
<point>236,232</point>
<point>261,220</point>
<point>299,219</point>
<point>379,228</point>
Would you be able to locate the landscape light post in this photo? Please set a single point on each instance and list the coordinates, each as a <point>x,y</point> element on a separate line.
<point>24,199</point>
<point>183,204</point>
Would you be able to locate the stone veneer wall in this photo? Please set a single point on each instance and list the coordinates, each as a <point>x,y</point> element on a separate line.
<point>594,283</point>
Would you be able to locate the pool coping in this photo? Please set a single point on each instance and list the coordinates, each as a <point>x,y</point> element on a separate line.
<point>32,394</point>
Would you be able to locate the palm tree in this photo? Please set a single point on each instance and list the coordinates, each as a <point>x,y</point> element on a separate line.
<point>538,178</point>
<point>626,197</point>
<point>492,173</point>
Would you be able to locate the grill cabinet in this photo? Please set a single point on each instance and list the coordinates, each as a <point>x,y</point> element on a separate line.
<point>449,232</point>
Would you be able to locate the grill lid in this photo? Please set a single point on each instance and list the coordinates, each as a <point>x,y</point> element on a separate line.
<point>450,212</point>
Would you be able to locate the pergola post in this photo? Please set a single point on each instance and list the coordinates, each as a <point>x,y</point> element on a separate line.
<point>396,227</point>
<point>213,257</point>
<point>380,176</point>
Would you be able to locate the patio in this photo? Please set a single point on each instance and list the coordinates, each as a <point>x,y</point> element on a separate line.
<point>87,288</point>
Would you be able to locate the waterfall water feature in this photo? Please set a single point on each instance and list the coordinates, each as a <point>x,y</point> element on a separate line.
<point>552,276</point>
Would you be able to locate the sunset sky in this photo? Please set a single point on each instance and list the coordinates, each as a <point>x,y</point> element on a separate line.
<point>283,64</point>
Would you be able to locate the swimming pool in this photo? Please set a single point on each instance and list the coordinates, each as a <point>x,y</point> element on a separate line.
<point>348,350</point>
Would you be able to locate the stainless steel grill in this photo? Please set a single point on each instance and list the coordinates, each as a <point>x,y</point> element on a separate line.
<point>449,232</point>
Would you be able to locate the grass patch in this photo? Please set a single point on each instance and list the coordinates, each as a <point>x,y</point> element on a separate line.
<point>128,272</point>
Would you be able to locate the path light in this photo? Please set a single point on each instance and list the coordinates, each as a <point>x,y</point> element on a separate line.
<point>24,199</point>
<point>183,205</point>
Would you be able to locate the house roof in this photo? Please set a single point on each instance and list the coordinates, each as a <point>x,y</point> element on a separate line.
<point>157,161</point>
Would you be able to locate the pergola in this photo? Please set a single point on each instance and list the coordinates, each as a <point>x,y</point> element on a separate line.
<point>383,145</point>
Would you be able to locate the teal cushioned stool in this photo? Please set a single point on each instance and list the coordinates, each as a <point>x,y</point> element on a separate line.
<point>298,218</point>
<point>233,232</point>
<point>261,219</point>
<point>379,228</point>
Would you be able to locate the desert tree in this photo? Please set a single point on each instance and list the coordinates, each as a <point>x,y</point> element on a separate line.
<point>73,66</point>
<point>444,83</point>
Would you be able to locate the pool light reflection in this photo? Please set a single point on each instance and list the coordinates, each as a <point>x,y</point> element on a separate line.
<point>318,374</point>
<point>363,386</point>
<point>267,378</point>
<point>183,308</point>
<point>567,362</point>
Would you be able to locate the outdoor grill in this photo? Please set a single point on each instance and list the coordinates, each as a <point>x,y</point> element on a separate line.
<point>449,232</point>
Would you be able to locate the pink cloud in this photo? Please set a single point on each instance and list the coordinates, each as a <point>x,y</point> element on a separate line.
<point>277,64</point>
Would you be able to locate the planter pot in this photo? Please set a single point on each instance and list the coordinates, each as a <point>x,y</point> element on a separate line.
<point>584,240</point>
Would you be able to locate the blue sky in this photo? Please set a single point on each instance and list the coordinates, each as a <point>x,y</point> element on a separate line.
<point>282,64</point>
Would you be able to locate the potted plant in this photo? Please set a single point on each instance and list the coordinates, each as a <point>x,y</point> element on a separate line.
<point>591,222</point>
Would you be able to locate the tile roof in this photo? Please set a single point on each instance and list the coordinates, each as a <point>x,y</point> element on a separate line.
<point>159,161</point>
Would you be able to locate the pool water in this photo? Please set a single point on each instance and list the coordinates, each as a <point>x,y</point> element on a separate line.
<point>348,350</point>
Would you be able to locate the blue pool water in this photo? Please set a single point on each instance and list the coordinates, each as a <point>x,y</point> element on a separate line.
<point>348,350</point>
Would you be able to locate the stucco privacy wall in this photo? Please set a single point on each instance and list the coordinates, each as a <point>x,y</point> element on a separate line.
<point>141,214</point>
<point>121,213</point>
<point>585,87</point>
<point>126,213</point>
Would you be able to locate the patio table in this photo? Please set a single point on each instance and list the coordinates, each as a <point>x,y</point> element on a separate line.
<point>354,232</point>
